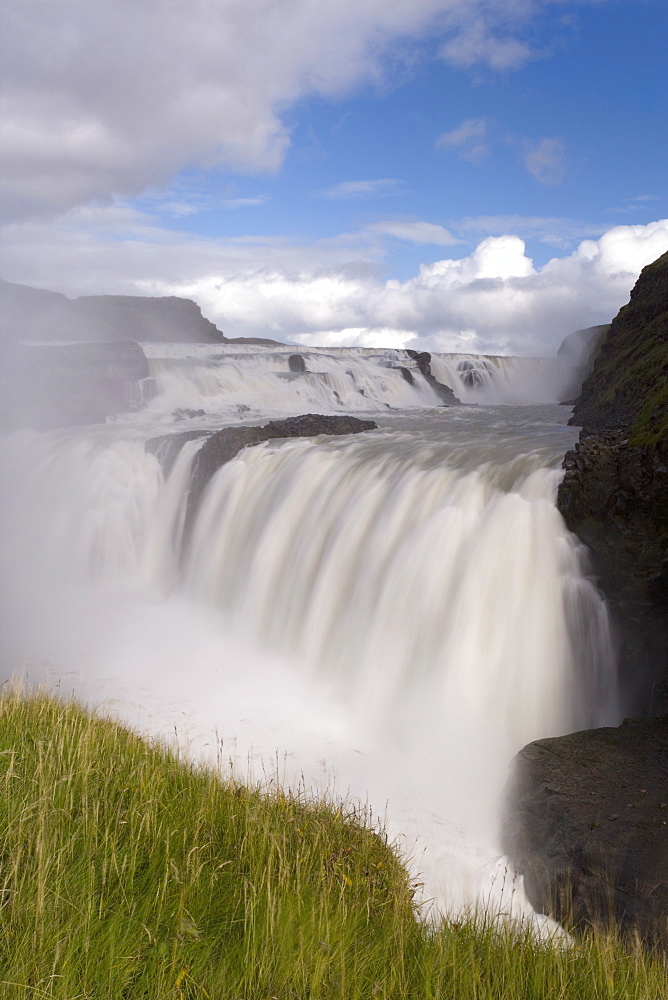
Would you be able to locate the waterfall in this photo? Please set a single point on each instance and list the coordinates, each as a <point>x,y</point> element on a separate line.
<point>394,613</point>
<point>230,382</point>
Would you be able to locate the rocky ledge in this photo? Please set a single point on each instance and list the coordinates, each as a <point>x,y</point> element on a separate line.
<point>223,445</point>
<point>587,827</point>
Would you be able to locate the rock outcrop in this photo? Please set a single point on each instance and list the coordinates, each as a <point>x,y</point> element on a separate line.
<point>587,827</point>
<point>37,314</point>
<point>615,490</point>
<point>296,363</point>
<point>223,445</point>
<point>422,361</point>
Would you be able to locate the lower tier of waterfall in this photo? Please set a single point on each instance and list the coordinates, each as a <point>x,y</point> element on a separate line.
<point>388,616</point>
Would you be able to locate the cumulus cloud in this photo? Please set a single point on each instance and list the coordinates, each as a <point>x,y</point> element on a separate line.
<point>112,96</point>
<point>545,160</point>
<point>493,300</point>
<point>468,140</point>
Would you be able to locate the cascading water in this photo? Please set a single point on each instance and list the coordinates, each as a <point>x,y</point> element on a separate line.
<point>397,612</point>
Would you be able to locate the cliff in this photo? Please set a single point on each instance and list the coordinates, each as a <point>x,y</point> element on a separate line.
<point>36,314</point>
<point>587,828</point>
<point>615,490</point>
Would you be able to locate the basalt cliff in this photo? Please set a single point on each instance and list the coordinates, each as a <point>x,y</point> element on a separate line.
<point>614,494</point>
<point>587,814</point>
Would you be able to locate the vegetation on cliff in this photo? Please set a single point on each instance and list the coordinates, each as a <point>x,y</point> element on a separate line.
<point>628,387</point>
<point>126,873</point>
<point>615,491</point>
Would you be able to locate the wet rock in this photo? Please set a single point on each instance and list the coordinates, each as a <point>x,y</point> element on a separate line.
<point>296,363</point>
<point>223,445</point>
<point>587,826</point>
<point>422,360</point>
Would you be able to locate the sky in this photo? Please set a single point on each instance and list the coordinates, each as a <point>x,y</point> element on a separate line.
<point>451,175</point>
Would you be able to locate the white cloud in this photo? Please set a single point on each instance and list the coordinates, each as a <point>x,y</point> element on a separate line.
<point>468,140</point>
<point>545,160</point>
<point>363,189</point>
<point>492,300</point>
<point>109,97</point>
<point>415,232</point>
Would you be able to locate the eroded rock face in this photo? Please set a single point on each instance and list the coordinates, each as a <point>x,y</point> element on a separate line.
<point>422,360</point>
<point>587,826</point>
<point>615,496</point>
<point>615,490</point>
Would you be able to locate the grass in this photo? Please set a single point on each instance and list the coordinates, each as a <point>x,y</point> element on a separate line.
<point>127,873</point>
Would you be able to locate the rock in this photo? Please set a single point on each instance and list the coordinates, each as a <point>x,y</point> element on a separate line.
<point>35,314</point>
<point>614,494</point>
<point>61,385</point>
<point>444,392</point>
<point>587,826</point>
<point>296,363</point>
<point>223,445</point>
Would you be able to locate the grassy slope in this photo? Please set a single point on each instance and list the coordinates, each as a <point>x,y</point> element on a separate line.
<point>629,384</point>
<point>127,874</point>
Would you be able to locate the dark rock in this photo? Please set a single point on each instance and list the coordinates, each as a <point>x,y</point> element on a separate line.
<point>422,360</point>
<point>587,826</point>
<point>223,445</point>
<point>615,490</point>
<point>257,341</point>
<point>61,385</point>
<point>406,375</point>
<point>296,363</point>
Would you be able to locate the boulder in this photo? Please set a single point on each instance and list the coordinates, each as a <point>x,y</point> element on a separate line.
<point>587,826</point>
<point>296,363</point>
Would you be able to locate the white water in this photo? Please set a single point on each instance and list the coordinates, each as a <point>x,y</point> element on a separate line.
<point>389,616</point>
<point>237,382</point>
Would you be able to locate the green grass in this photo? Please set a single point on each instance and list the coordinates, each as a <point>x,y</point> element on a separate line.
<point>126,873</point>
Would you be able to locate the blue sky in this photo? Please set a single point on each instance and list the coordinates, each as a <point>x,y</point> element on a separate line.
<point>346,174</point>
